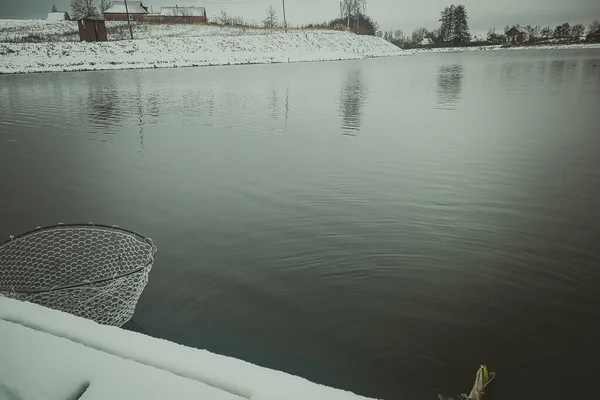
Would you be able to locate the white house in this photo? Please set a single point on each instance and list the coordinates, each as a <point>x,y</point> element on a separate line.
<point>182,14</point>
<point>58,16</point>
<point>426,42</point>
<point>118,12</point>
<point>183,11</point>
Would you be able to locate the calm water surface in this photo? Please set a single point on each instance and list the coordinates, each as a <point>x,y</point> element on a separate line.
<point>381,226</point>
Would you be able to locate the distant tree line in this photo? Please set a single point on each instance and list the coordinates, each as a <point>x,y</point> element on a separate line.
<point>563,32</point>
<point>454,31</point>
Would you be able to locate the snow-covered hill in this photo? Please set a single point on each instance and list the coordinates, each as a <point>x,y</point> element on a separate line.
<point>181,46</point>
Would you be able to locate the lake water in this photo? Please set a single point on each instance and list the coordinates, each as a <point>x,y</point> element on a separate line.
<point>381,226</point>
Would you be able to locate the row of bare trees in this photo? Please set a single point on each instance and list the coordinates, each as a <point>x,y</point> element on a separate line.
<point>271,20</point>
<point>536,33</point>
<point>453,30</point>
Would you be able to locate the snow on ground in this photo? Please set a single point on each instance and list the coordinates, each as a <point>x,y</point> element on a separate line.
<point>36,31</point>
<point>499,47</point>
<point>51,355</point>
<point>178,51</point>
<point>15,30</point>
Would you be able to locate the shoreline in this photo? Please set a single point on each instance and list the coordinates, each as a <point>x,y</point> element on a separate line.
<point>575,46</point>
<point>173,46</point>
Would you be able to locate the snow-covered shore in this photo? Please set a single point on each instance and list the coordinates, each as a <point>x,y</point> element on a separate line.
<point>577,46</point>
<point>186,46</point>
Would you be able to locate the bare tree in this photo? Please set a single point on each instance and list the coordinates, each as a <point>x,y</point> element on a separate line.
<point>577,31</point>
<point>593,27</point>
<point>353,9</point>
<point>54,9</point>
<point>398,36</point>
<point>84,9</point>
<point>271,20</point>
<point>105,5</point>
<point>546,33</point>
<point>534,31</point>
<point>419,34</point>
<point>223,18</point>
<point>495,38</point>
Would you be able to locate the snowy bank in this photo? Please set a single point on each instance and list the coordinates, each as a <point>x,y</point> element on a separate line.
<point>51,355</point>
<point>577,46</point>
<point>295,46</point>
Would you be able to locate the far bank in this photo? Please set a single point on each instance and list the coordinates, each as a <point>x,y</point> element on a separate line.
<point>197,50</point>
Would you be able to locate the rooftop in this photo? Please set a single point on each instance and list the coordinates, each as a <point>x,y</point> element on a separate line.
<point>134,7</point>
<point>183,11</point>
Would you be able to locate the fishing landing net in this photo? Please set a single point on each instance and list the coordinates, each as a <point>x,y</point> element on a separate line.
<point>92,271</point>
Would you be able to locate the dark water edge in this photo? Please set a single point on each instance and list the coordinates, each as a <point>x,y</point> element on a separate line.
<point>381,226</point>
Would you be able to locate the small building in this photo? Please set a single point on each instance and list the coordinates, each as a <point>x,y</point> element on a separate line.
<point>92,30</point>
<point>58,16</point>
<point>593,37</point>
<point>188,15</point>
<point>118,11</point>
<point>517,35</point>
<point>426,42</point>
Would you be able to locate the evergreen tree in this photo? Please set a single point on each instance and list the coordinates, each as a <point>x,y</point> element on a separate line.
<point>461,33</point>
<point>447,28</point>
<point>454,27</point>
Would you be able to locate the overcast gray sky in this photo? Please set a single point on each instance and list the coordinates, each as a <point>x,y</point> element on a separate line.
<point>391,14</point>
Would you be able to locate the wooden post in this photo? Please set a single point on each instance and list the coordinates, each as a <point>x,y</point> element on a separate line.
<point>128,20</point>
<point>284,20</point>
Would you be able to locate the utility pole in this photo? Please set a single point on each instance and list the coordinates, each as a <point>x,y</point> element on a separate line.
<point>128,20</point>
<point>284,21</point>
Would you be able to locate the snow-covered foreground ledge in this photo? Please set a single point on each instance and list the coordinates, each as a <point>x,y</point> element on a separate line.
<point>188,51</point>
<point>51,355</point>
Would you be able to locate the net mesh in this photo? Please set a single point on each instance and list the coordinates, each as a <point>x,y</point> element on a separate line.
<point>95,272</point>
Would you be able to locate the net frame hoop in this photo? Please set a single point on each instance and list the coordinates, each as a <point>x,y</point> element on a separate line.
<point>59,226</point>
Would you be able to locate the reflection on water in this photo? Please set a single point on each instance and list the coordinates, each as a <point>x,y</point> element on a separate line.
<point>352,101</point>
<point>591,75</point>
<point>363,263</point>
<point>450,78</point>
<point>103,105</point>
